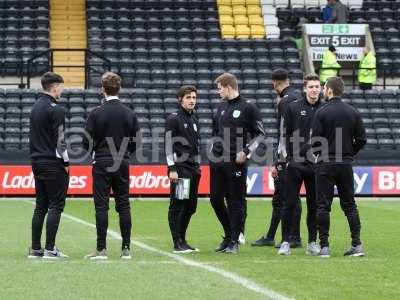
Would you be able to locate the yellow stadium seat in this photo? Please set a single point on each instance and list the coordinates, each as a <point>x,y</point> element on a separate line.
<point>224,2</point>
<point>256,20</point>
<point>239,10</point>
<point>228,31</point>
<point>241,20</point>
<point>225,10</point>
<point>253,10</point>
<point>257,31</point>
<point>242,31</point>
<point>226,20</point>
<point>253,2</point>
<point>239,2</point>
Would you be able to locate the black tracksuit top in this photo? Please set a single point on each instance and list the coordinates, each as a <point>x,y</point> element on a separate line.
<point>242,120</point>
<point>46,135</point>
<point>336,114</point>
<point>115,121</point>
<point>298,121</point>
<point>288,95</point>
<point>182,125</point>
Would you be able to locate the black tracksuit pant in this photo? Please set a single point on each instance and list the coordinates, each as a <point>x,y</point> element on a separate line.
<point>181,211</point>
<point>296,173</point>
<point>228,179</point>
<point>341,175</point>
<point>277,203</point>
<point>103,181</point>
<point>51,185</point>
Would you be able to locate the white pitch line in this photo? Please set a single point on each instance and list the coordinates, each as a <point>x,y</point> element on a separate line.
<point>246,283</point>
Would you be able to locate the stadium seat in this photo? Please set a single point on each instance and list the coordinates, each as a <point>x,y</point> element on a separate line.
<point>239,10</point>
<point>226,20</point>
<point>256,20</point>
<point>225,10</point>
<point>241,20</point>
<point>257,31</point>
<point>228,31</point>
<point>253,10</point>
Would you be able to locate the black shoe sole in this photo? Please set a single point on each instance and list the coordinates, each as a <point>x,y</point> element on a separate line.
<point>220,250</point>
<point>263,245</point>
<point>228,251</point>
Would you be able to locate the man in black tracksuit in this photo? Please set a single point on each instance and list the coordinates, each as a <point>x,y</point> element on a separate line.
<point>298,120</point>
<point>340,126</point>
<point>113,129</point>
<point>182,153</point>
<point>235,120</point>
<point>286,95</point>
<point>50,165</point>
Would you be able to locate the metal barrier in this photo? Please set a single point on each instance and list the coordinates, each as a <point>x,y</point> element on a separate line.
<point>20,67</point>
<point>87,67</point>
<point>355,73</point>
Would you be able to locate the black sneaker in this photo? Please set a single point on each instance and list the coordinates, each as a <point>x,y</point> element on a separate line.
<point>180,247</point>
<point>355,251</point>
<point>233,248</point>
<point>263,241</point>
<point>223,245</point>
<point>34,254</point>
<point>190,247</point>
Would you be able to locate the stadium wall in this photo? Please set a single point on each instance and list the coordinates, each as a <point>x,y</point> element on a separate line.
<point>152,180</point>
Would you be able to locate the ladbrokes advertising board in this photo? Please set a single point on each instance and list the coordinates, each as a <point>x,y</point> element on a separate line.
<point>153,180</point>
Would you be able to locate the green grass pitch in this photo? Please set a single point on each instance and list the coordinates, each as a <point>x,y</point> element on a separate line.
<point>157,275</point>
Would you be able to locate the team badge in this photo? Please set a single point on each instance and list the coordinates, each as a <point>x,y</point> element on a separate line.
<point>303,113</point>
<point>236,113</point>
<point>185,125</point>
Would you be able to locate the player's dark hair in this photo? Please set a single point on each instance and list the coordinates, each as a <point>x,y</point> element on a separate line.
<point>49,79</point>
<point>111,83</point>
<point>310,77</point>
<point>184,90</point>
<point>280,74</point>
<point>336,84</point>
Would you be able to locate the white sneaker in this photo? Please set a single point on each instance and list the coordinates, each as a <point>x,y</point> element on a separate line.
<point>313,248</point>
<point>325,252</point>
<point>284,249</point>
<point>54,254</point>
<point>242,239</point>
<point>97,255</point>
<point>126,254</point>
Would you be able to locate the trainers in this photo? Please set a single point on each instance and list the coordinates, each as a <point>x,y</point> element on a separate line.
<point>223,245</point>
<point>284,249</point>
<point>54,254</point>
<point>263,241</point>
<point>180,247</point>
<point>98,255</point>
<point>313,248</point>
<point>324,252</point>
<point>233,248</point>
<point>242,239</point>
<point>355,251</point>
<point>190,247</point>
<point>126,254</point>
<point>33,254</point>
